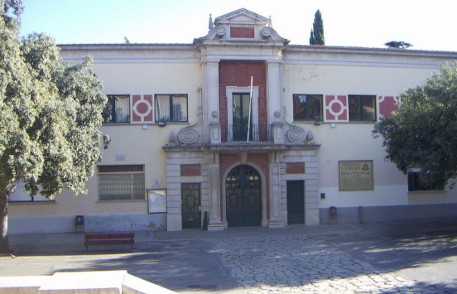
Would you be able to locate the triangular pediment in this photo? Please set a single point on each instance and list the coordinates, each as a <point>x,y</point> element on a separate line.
<point>240,27</point>
<point>241,17</point>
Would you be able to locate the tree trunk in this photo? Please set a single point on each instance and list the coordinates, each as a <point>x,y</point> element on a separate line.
<point>4,246</point>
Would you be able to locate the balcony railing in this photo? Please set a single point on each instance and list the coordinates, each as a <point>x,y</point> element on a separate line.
<point>237,134</point>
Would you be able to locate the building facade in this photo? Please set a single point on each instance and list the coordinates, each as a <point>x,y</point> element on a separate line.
<point>240,128</point>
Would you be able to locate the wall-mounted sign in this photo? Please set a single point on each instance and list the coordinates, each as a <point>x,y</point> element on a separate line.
<point>356,175</point>
<point>157,201</point>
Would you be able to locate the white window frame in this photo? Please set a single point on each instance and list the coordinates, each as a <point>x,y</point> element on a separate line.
<point>113,110</point>
<point>229,91</point>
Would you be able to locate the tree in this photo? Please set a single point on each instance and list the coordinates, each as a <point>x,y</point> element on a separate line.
<point>423,131</point>
<point>398,44</point>
<point>317,33</point>
<point>50,115</point>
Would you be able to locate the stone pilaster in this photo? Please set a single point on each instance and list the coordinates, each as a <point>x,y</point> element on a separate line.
<point>210,98</point>
<point>278,132</point>
<point>275,109</point>
<point>215,222</point>
<point>275,193</point>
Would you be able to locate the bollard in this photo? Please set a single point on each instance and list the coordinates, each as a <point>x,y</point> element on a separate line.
<point>79,223</point>
<point>333,214</point>
<point>205,222</point>
<point>360,214</point>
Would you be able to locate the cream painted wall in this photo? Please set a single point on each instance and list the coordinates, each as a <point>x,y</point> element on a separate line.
<point>137,145</point>
<point>354,141</point>
<point>345,80</point>
<point>180,72</point>
<point>151,78</point>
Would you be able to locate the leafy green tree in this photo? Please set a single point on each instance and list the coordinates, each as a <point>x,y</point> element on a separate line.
<point>317,33</point>
<point>423,131</point>
<point>50,115</point>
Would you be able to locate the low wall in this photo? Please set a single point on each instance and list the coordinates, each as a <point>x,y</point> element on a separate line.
<point>371,214</point>
<point>92,223</point>
<point>80,282</point>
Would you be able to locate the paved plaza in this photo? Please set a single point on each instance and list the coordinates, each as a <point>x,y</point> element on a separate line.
<point>410,257</point>
<point>297,264</point>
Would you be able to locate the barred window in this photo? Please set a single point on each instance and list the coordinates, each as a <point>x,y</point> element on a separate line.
<point>121,182</point>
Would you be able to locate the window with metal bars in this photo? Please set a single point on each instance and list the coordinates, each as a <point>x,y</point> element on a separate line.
<point>121,182</point>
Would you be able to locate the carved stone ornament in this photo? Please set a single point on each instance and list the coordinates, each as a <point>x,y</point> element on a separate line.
<point>220,31</point>
<point>296,135</point>
<point>266,32</point>
<point>188,135</point>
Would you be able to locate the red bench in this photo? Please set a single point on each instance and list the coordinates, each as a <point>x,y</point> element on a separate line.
<point>109,239</point>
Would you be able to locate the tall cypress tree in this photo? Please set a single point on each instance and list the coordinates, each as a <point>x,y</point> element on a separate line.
<point>317,33</point>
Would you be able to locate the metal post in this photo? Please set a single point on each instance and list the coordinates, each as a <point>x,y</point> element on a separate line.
<point>249,115</point>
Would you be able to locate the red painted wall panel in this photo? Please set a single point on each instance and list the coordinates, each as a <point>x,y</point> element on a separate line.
<point>241,32</point>
<point>238,73</point>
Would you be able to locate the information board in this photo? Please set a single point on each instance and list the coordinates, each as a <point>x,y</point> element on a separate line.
<point>356,175</point>
<point>157,201</point>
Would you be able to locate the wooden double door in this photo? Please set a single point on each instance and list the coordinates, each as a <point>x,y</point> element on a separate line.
<point>243,197</point>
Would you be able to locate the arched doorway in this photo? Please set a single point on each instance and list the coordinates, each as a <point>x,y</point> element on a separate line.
<point>243,197</point>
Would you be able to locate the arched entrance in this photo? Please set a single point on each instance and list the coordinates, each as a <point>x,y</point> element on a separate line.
<point>243,197</point>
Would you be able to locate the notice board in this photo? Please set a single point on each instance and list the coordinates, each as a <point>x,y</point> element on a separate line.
<point>356,175</point>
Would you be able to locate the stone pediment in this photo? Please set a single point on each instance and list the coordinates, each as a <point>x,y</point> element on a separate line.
<point>241,16</point>
<point>241,26</point>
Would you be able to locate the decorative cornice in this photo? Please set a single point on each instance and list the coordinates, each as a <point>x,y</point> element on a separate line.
<point>368,51</point>
<point>236,147</point>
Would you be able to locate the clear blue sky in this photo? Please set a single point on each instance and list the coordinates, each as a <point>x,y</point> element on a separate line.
<point>428,25</point>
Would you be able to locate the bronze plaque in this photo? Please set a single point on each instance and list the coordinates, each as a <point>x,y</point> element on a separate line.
<point>356,175</point>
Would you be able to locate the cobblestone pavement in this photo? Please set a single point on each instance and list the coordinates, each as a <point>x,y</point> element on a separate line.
<point>384,258</point>
<point>298,264</point>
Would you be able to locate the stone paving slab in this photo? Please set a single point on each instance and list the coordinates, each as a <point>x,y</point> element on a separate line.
<point>298,264</point>
<point>320,259</point>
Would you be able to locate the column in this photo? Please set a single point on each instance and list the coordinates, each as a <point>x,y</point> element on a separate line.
<point>275,105</point>
<point>275,192</point>
<point>210,102</point>
<point>215,223</point>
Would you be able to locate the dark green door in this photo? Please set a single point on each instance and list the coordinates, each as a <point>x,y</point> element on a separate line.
<point>241,117</point>
<point>295,202</point>
<point>190,206</point>
<point>243,204</point>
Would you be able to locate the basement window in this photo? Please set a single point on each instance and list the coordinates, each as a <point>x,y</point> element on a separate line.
<point>121,182</point>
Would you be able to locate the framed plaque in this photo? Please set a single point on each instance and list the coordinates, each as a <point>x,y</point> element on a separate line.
<point>356,175</point>
<point>157,201</point>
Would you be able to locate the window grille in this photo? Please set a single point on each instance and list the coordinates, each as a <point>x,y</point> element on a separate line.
<point>121,182</point>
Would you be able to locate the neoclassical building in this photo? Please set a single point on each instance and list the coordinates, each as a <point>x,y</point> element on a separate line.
<point>241,128</point>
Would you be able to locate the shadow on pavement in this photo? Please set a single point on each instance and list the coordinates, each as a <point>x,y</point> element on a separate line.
<point>424,253</point>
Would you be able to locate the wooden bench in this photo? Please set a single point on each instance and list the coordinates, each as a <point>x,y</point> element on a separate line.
<point>109,239</point>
